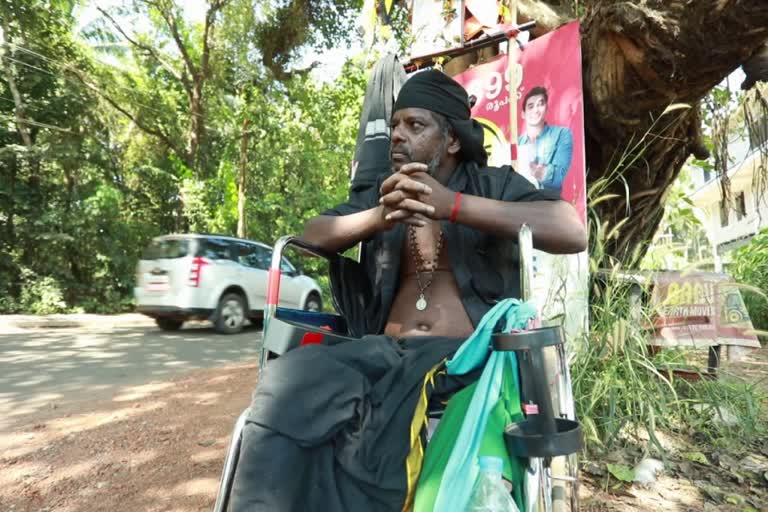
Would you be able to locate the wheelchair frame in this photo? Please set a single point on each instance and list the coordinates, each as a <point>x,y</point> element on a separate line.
<point>540,480</point>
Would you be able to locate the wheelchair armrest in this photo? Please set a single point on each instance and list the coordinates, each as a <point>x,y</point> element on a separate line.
<point>273,283</point>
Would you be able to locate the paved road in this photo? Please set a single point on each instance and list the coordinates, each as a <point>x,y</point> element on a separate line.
<point>40,368</point>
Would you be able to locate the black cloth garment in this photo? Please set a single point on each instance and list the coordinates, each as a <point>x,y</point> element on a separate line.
<point>372,147</point>
<point>351,291</point>
<point>328,428</point>
<point>485,266</point>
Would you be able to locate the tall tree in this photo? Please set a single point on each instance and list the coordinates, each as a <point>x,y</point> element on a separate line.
<point>638,59</point>
<point>190,63</point>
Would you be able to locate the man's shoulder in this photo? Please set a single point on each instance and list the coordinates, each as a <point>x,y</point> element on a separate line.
<point>503,173</point>
<point>559,130</point>
<point>489,170</point>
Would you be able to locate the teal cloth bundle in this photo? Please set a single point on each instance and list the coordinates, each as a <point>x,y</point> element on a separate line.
<point>446,482</point>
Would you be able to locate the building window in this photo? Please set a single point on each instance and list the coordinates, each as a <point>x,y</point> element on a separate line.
<point>723,214</point>
<point>740,205</point>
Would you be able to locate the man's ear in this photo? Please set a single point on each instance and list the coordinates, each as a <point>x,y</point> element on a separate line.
<point>454,144</point>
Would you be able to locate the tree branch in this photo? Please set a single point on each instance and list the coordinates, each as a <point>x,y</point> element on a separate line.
<point>21,123</point>
<point>155,132</point>
<point>210,18</point>
<point>170,21</point>
<point>185,81</point>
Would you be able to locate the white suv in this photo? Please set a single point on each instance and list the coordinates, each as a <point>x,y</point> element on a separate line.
<point>220,278</point>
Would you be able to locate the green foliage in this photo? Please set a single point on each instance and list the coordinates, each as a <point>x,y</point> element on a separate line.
<point>750,266</point>
<point>40,295</point>
<point>110,165</point>
<point>681,240</point>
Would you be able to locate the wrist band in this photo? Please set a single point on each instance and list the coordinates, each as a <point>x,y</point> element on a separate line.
<point>455,211</point>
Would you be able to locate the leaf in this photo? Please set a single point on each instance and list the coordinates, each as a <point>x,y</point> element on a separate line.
<point>675,106</point>
<point>620,472</point>
<point>696,457</point>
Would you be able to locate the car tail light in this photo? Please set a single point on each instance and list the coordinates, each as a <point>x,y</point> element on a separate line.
<point>195,271</point>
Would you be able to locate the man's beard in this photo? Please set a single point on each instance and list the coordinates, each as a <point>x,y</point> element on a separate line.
<point>433,164</point>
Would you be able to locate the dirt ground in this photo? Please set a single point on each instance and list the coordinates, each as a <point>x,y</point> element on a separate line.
<point>160,447</point>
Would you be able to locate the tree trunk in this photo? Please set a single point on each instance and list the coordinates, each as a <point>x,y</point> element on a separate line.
<point>196,122</point>
<point>242,179</point>
<point>639,58</point>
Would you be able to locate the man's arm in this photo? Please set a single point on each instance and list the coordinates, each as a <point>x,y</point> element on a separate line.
<point>561,159</point>
<point>339,233</point>
<point>555,224</point>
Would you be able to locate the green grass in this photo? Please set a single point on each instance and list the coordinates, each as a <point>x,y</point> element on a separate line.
<point>622,398</point>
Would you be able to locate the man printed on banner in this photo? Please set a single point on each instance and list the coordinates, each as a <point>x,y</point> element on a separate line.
<point>544,151</point>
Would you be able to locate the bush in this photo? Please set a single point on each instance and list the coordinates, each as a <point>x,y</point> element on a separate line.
<point>41,295</point>
<point>750,267</point>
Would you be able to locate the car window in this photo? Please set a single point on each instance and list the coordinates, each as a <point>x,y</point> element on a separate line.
<point>265,257</point>
<point>286,267</point>
<point>167,248</point>
<point>215,249</point>
<point>249,255</point>
<point>257,257</point>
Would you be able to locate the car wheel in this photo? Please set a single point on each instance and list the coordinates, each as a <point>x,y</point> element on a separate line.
<point>313,303</point>
<point>169,324</point>
<point>230,315</point>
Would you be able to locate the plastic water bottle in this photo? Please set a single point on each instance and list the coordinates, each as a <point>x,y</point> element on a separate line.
<point>489,493</point>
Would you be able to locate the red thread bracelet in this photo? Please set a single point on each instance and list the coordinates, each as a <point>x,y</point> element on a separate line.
<point>455,211</point>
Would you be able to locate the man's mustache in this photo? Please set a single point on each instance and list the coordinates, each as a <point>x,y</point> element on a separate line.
<point>402,150</point>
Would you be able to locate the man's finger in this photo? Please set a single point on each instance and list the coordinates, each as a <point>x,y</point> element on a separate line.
<point>415,206</point>
<point>389,184</point>
<point>406,217</point>
<point>394,198</point>
<point>413,186</point>
<point>413,167</point>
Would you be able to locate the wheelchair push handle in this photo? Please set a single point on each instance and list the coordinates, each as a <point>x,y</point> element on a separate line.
<point>525,246</point>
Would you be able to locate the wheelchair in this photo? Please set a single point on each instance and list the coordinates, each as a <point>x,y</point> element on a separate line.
<point>549,438</point>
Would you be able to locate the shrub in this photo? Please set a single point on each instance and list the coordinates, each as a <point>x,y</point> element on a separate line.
<point>41,295</point>
<point>750,267</point>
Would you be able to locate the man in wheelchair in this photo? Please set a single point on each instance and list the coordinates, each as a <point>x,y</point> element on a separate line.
<point>333,427</point>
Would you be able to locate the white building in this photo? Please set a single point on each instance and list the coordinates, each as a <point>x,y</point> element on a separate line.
<point>730,228</point>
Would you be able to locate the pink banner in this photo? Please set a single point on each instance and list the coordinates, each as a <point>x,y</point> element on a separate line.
<point>549,112</point>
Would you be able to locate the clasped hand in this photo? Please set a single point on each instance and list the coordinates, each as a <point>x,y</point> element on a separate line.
<point>412,196</point>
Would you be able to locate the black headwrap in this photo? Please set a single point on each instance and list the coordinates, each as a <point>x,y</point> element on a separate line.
<point>435,91</point>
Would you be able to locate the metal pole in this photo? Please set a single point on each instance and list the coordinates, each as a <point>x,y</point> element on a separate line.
<point>525,243</point>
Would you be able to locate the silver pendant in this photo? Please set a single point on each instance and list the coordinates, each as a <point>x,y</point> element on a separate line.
<point>421,304</point>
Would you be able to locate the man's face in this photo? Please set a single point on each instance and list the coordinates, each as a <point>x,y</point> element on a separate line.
<point>416,137</point>
<point>534,110</point>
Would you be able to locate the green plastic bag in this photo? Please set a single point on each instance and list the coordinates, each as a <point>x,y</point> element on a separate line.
<point>507,410</point>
